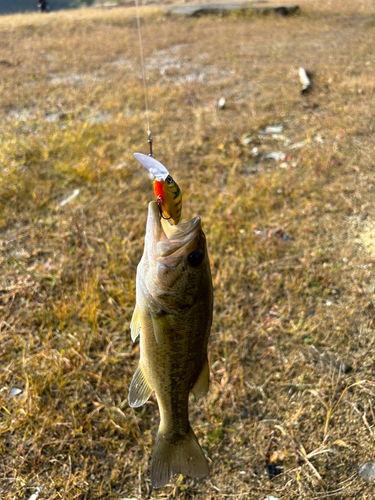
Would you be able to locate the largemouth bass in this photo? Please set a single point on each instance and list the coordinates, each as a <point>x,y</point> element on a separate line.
<point>173,317</point>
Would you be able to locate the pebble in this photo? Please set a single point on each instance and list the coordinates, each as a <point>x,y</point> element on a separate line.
<point>276,155</point>
<point>367,471</point>
<point>35,495</point>
<point>274,129</point>
<point>14,392</point>
<point>221,103</point>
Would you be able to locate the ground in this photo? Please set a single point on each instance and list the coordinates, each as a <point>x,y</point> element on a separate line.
<point>290,410</point>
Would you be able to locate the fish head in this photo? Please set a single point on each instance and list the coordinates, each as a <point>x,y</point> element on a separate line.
<point>175,261</point>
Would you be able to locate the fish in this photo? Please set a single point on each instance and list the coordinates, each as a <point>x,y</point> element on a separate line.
<point>167,192</point>
<point>173,317</point>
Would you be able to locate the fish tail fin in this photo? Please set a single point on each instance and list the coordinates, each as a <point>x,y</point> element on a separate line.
<point>183,455</point>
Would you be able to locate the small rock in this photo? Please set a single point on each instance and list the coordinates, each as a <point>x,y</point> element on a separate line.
<point>276,155</point>
<point>297,145</point>
<point>246,140</point>
<point>35,495</point>
<point>122,165</point>
<point>14,392</point>
<point>367,471</point>
<point>273,129</point>
<point>271,498</point>
<point>305,80</point>
<point>221,103</point>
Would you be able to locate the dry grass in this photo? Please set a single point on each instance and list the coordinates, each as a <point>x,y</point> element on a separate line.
<point>288,314</point>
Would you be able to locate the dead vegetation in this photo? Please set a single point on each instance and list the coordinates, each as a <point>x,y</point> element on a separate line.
<point>290,409</point>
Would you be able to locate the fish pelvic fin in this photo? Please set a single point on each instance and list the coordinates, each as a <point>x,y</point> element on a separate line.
<point>162,328</point>
<point>201,385</point>
<point>139,390</point>
<point>135,324</point>
<point>181,456</point>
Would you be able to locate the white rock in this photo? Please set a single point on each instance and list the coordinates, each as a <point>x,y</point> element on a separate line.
<point>274,129</point>
<point>35,495</point>
<point>14,392</point>
<point>276,155</point>
<point>221,103</point>
<point>367,471</point>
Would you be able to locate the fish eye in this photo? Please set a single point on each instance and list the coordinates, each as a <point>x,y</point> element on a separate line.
<point>195,258</point>
<point>169,179</point>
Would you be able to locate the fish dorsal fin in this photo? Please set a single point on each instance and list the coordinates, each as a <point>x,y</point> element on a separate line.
<point>139,390</point>
<point>135,324</point>
<point>162,328</point>
<point>201,385</point>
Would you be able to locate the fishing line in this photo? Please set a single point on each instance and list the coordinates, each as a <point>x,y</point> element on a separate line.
<point>143,66</point>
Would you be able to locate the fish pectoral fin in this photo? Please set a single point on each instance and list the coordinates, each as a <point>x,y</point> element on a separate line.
<point>177,456</point>
<point>139,390</point>
<point>162,328</point>
<point>201,385</point>
<point>135,324</point>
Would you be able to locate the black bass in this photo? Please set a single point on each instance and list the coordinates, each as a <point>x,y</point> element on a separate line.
<point>173,317</point>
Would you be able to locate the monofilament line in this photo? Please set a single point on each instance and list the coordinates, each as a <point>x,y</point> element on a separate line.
<point>143,66</point>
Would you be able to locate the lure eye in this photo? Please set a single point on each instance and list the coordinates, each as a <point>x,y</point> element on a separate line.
<point>169,179</point>
<point>195,258</point>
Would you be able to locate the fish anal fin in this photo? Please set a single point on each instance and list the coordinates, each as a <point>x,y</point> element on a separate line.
<point>162,328</point>
<point>135,324</point>
<point>181,456</point>
<point>139,390</point>
<point>201,385</point>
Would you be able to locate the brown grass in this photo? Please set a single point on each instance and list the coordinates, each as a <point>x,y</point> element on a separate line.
<point>288,314</point>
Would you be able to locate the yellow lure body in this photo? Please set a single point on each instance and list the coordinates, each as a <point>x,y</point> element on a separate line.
<point>169,198</point>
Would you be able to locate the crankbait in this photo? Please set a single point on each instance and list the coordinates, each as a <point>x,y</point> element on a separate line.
<point>167,193</point>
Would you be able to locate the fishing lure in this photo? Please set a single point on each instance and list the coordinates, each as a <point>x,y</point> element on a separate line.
<point>167,193</point>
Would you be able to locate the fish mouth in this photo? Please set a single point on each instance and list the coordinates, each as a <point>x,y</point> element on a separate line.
<point>167,244</point>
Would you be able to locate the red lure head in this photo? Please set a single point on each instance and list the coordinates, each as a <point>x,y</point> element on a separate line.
<point>159,192</point>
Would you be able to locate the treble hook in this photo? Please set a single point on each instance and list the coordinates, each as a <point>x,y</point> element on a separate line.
<point>159,201</point>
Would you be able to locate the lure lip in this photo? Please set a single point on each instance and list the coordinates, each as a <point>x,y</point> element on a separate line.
<point>157,169</point>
